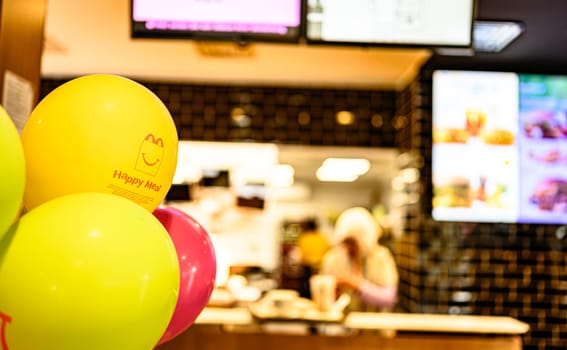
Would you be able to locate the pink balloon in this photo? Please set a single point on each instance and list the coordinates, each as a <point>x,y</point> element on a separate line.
<point>197,264</point>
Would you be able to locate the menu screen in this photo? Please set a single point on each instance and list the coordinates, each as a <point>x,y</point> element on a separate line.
<point>499,147</point>
<point>408,22</point>
<point>257,19</point>
<point>543,148</point>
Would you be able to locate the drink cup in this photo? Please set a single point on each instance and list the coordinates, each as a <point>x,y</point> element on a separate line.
<point>323,291</point>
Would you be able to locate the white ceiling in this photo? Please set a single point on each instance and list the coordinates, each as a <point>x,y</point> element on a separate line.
<point>84,37</point>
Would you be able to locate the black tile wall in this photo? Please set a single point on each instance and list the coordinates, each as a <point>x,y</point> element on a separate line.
<point>456,268</point>
<point>277,114</point>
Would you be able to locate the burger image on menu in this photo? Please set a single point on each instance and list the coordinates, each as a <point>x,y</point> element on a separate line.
<point>450,135</point>
<point>454,191</point>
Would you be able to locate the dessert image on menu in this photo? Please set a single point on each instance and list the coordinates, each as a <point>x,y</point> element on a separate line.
<point>544,198</point>
<point>551,195</point>
<point>551,156</point>
<point>547,155</point>
<point>541,124</point>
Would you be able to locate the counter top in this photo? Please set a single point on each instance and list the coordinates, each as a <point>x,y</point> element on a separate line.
<point>439,323</point>
<point>239,316</point>
<point>236,328</point>
<point>436,323</point>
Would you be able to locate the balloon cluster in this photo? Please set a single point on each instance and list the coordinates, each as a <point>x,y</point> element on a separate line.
<point>88,258</point>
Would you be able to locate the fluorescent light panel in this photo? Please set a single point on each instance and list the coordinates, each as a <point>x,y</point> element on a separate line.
<point>488,36</point>
<point>494,36</point>
<point>342,169</point>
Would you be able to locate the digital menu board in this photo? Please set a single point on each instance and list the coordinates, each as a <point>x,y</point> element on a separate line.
<point>499,147</point>
<point>433,23</point>
<point>243,20</point>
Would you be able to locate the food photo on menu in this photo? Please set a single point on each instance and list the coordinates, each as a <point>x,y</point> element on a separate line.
<point>478,192</point>
<point>545,125</point>
<point>544,196</point>
<point>550,194</point>
<point>544,180</point>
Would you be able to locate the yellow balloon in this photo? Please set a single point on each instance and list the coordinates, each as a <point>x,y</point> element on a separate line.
<point>12,172</point>
<point>86,271</point>
<point>100,133</point>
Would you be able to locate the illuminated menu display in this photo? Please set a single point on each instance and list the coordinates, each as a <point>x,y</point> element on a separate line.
<point>411,22</point>
<point>499,147</point>
<point>254,17</point>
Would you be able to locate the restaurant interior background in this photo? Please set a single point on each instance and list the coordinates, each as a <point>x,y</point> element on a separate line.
<point>270,104</point>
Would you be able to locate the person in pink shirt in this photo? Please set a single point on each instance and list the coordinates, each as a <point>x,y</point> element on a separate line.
<point>362,267</point>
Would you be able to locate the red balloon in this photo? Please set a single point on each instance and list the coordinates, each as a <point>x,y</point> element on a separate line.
<point>197,266</point>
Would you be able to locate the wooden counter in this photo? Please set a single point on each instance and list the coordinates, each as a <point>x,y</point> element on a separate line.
<point>436,323</point>
<point>229,329</point>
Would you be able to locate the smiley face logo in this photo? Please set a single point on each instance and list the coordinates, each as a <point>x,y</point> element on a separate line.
<point>150,155</point>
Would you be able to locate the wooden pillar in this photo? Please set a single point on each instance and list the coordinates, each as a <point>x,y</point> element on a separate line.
<point>21,46</point>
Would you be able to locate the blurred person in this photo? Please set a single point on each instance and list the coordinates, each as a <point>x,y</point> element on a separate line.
<point>312,245</point>
<point>363,268</point>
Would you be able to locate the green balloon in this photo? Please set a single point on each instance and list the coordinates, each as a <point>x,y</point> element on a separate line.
<point>89,271</point>
<point>12,172</point>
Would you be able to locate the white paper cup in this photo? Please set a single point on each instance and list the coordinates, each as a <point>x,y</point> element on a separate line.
<point>323,291</point>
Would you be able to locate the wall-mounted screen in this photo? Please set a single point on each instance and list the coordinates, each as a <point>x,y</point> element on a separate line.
<point>243,20</point>
<point>432,23</point>
<point>499,147</point>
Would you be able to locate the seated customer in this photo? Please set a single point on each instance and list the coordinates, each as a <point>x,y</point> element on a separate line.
<point>363,268</point>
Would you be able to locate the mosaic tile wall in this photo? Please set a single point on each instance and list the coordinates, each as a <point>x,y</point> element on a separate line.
<point>278,114</point>
<point>407,248</point>
<point>457,268</point>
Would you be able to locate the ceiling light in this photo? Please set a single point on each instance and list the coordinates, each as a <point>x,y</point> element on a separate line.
<point>377,120</point>
<point>356,166</point>
<point>494,36</point>
<point>488,36</point>
<point>345,117</point>
<point>239,117</point>
<point>303,118</point>
<point>328,175</point>
<point>342,169</point>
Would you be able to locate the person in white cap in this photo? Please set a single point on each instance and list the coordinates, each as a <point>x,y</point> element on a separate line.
<point>362,267</point>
